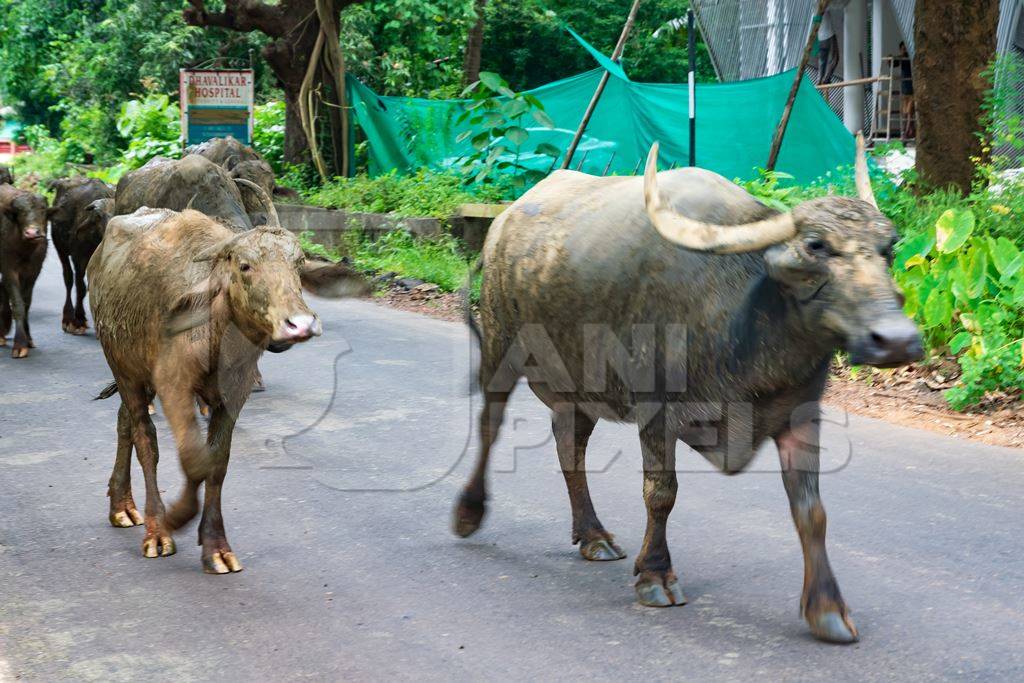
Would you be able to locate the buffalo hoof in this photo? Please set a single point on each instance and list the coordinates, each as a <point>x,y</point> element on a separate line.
<point>79,330</point>
<point>158,546</point>
<point>222,562</point>
<point>68,326</point>
<point>125,518</point>
<point>19,352</point>
<point>659,590</point>
<point>468,516</point>
<point>601,550</point>
<point>833,627</point>
<point>3,341</point>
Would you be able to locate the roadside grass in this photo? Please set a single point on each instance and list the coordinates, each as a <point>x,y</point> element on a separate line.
<point>442,260</point>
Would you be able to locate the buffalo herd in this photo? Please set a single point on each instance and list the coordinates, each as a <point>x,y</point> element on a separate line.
<point>675,301</point>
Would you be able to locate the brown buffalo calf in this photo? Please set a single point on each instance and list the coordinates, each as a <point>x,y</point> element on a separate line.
<point>22,250</point>
<point>184,307</point>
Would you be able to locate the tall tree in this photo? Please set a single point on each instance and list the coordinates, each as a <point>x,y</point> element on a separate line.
<point>474,45</point>
<point>955,41</point>
<point>297,41</point>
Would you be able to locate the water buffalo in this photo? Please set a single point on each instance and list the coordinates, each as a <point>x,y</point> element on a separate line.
<point>78,217</point>
<point>719,317</point>
<point>192,182</point>
<point>240,161</point>
<point>22,251</point>
<point>6,177</point>
<point>184,306</point>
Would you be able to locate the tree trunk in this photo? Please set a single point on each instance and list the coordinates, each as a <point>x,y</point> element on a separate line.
<point>474,45</point>
<point>955,41</point>
<point>294,26</point>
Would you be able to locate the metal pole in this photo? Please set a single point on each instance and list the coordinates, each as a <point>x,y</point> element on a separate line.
<point>616,55</point>
<point>780,131</point>
<point>692,39</point>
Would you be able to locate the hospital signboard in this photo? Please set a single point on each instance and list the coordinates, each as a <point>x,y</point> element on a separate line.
<point>216,103</point>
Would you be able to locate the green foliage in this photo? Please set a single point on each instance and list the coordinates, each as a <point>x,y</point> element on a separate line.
<point>497,115</point>
<point>524,40</point>
<point>152,127</point>
<point>966,291</point>
<point>426,193</point>
<point>767,189</point>
<point>407,47</point>
<point>268,133</point>
<point>70,64</point>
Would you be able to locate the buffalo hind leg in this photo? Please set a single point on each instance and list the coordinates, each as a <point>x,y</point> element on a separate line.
<point>67,322</point>
<point>472,505</point>
<point>821,603</point>
<point>123,512</point>
<point>158,541</point>
<point>657,585</point>
<point>218,558</point>
<point>572,429</point>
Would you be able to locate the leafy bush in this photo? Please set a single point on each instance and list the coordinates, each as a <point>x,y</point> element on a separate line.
<point>268,134</point>
<point>427,193</point>
<point>966,291</point>
<point>497,116</point>
<point>152,127</point>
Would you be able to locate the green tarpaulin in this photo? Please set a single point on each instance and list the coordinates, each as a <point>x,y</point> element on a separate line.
<point>735,124</point>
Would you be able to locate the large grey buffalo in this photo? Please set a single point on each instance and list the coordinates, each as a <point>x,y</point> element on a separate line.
<point>240,161</point>
<point>192,182</point>
<point>717,317</point>
<point>184,306</point>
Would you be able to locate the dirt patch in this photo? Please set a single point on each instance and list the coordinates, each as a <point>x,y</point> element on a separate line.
<point>911,396</point>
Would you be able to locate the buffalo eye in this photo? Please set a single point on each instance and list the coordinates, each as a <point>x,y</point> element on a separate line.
<point>816,246</point>
<point>244,267</point>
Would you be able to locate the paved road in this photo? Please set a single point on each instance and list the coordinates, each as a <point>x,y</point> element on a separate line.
<point>338,502</point>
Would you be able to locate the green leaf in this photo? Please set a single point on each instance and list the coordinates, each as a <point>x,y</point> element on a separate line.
<point>953,229</point>
<point>912,251</point>
<point>481,140</point>
<point>514,108</point>
<point>542,118</point>
<point>548,149</point>
<point>470,88</point>
<point>1006,256</point>
<point>938,308</point>
<point>960,342</point>
<point>977,274</point>
<point>516,135</point>
<point>463,135</point>
<point>494,119</point>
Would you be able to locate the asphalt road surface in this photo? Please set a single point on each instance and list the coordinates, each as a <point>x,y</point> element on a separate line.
<point>338,501</point>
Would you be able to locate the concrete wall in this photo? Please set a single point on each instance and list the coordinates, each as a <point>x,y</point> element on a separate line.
<point>328,225</point>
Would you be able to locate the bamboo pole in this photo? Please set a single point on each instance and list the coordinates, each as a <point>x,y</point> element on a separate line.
<point>616,55</point>
<point>856,81</point>
<point>780,131</point>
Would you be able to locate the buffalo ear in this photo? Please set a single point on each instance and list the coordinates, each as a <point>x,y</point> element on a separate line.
<point>332,280</point>
<point>192,309</point>
<point>788,266</point>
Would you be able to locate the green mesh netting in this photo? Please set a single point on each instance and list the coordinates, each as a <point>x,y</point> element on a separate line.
<point>735,124</point>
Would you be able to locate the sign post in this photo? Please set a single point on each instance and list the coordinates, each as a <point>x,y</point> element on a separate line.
<point>216,103</point>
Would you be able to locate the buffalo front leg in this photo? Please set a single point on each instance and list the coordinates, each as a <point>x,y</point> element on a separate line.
<point>572,430</point>
<point>821,603</point>
<point>17,311</point>
<point>657,585</point>
<point>158,541</point>
<point>81,325</point>
<point>123,512</point>
<point>218,558</point>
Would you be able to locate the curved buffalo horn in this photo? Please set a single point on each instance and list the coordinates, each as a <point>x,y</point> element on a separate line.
<point>191,201</point>
<point>863,180</point>
<point>272,219</point>
<point>701,236</point>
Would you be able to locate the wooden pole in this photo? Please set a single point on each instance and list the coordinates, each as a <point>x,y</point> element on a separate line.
<point>692,78</point>
<point>780,131</point>
<point>616,55</point>
<point>856,81</point>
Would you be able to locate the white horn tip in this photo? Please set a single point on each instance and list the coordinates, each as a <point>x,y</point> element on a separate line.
<point>651,177</point>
